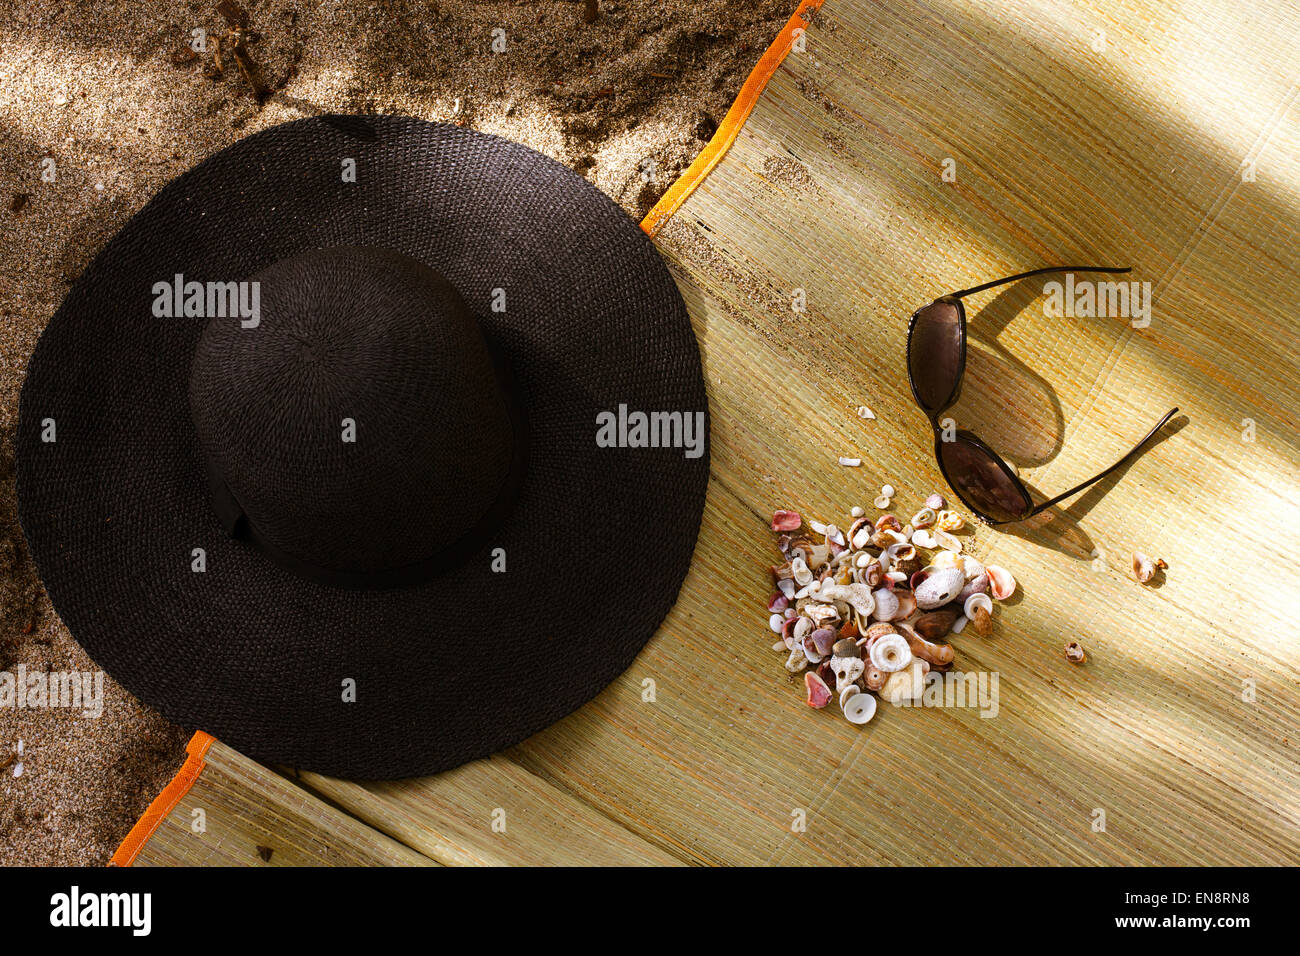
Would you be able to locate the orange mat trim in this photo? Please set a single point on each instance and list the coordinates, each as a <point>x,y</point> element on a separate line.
<point>731,125</point>
<point>166,801</point>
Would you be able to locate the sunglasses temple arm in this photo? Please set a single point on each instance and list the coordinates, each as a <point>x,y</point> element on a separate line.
<point>1119,464</point>
<point>1037,272</point>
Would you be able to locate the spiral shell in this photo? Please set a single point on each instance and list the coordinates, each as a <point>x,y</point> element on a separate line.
<point>858,708</point>
<point>890,653</point>
<point>979,609</point>
<point>974,601</point>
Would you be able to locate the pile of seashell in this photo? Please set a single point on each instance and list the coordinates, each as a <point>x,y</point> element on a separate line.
<point>865,609</point>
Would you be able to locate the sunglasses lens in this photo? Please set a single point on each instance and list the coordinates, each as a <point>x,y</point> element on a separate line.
<point>934,354</point>
<point>978,477</point>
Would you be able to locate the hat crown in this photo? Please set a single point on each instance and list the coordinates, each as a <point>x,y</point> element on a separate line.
<point>360,425</point>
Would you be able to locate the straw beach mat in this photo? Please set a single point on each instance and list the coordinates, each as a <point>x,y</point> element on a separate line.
<point>1122,134</point>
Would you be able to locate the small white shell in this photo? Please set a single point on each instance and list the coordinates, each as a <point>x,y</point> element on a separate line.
<point>835,534</point>
<point>977,600</point>
<point>786,587</point>
<point>891,653</point>
<point>947,541</point>
<point>940,587</point>
<point>802,575</point>
<point>887,491</point>
<point>923,518</point>
<point>850,462</point>
<point>959,625</point>
<point>848,691</point>
<point>796,662</point>
<point>856,511</point>
<point>863,560</point>
<point>780,646</point>
<point>862,538</point>
<point>866,413</point>
<point>775,622</point>
<point>922,538</point>
<point>817,526</point>
<point>859,708</point>
<point>886,601</point>
<point>882,503</point>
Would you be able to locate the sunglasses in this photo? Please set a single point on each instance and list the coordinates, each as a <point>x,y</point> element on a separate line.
<point>936,363</point>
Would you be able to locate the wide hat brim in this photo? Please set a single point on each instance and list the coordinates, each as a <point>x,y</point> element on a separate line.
<point>470,662</point>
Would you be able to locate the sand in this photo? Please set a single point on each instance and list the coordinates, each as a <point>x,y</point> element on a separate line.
<point>113,95</point>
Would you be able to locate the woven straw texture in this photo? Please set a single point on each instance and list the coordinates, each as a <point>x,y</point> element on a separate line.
<point>445,672</point>
<point>1127,154</point>
<point>1176,742</point>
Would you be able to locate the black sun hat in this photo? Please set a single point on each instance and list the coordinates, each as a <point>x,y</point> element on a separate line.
<point>369,446</point>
